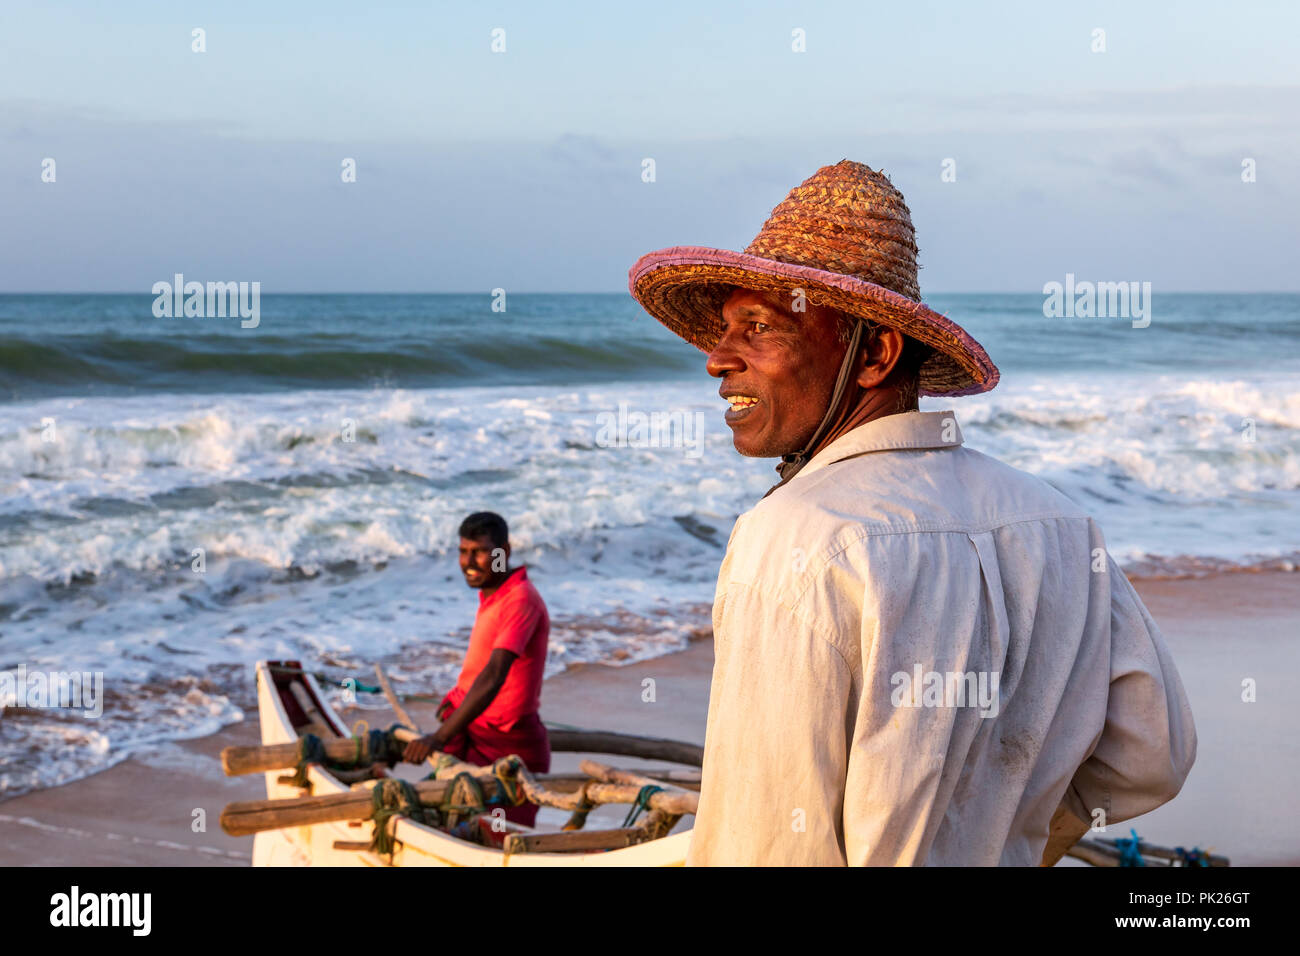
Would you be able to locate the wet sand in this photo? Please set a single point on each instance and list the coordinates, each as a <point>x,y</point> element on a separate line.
<point>1222,630</point>
<point>141,812</point>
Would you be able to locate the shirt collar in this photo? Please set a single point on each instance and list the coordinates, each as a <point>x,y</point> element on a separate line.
<point>516,577</point>
<point>906,430</point>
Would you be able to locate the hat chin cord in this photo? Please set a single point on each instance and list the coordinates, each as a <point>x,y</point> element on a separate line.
<point>792,463</point>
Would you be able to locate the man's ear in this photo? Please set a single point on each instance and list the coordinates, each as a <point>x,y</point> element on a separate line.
<point>880,355</point>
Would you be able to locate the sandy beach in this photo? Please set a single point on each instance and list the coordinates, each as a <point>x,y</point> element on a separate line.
<point>1223,630</point>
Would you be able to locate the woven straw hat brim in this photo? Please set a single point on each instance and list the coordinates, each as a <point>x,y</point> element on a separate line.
<point>684,287</point>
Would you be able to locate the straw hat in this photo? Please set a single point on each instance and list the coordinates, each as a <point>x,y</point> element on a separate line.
<point>845,238</point>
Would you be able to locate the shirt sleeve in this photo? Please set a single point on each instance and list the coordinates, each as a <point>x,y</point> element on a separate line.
<point>1148,743</point>
<point>516,625</point>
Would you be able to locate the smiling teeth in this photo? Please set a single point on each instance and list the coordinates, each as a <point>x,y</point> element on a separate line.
<point>741,401</point>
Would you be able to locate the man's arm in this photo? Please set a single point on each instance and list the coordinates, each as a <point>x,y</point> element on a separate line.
<point>1064,832</point>
<point>481,693</point>
<point>1148,743</point>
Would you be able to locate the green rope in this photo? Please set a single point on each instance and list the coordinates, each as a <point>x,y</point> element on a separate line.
<point>642,803</point>
<point>351,683</point>
<point>441,761</point>
<point>393,797</point>
<point>348,683</point>
<point>463,783</point>
<point>385,748</point>
<point>378,746</point>
<point>311,749</point>
<point>473,799</point>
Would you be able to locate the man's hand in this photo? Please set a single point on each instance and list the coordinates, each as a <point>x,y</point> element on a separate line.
<point>418,750</point>
<point>481,693</point>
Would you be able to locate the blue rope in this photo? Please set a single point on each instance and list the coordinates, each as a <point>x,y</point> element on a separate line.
<point>1128,850</point>
<point>1193,857</point>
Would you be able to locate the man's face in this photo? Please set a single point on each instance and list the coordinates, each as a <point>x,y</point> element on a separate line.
<point>778,370</point>
<point>477,556</point>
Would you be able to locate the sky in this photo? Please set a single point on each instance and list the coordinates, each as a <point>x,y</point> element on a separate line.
<point>522,169</point>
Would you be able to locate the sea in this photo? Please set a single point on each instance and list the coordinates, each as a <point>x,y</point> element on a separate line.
<point>181,497</point>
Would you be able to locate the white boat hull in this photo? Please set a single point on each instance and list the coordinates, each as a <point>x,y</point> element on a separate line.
<point>417,845</point>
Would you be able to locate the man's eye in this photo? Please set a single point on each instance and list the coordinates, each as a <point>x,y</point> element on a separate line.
<point>760,327</point>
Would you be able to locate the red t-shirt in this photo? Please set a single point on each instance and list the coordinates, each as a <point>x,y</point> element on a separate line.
<point>515,618</point>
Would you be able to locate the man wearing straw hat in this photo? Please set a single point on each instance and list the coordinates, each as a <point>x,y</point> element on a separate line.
<point>922,655</point>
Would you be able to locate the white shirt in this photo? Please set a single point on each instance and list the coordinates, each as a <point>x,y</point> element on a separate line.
<point>898,554</point>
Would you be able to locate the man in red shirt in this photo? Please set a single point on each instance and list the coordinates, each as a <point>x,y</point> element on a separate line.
<point>493,709</point>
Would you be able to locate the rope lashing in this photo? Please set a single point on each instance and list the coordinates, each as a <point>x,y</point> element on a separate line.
<point>442,762</point>
<point>377,746</point>
<point>385,748</point>
<point>1193,857</point>
<point>578,819</point>
<point>392,797</point>
<point>311,749</point>
<point>642,803</point>
<point>506,771</point>
<point>1129,855</point>
<point>464,798</point>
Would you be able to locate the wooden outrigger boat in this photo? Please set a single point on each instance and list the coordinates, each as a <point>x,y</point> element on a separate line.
<point>333,826</point>
<point>343,822</point>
